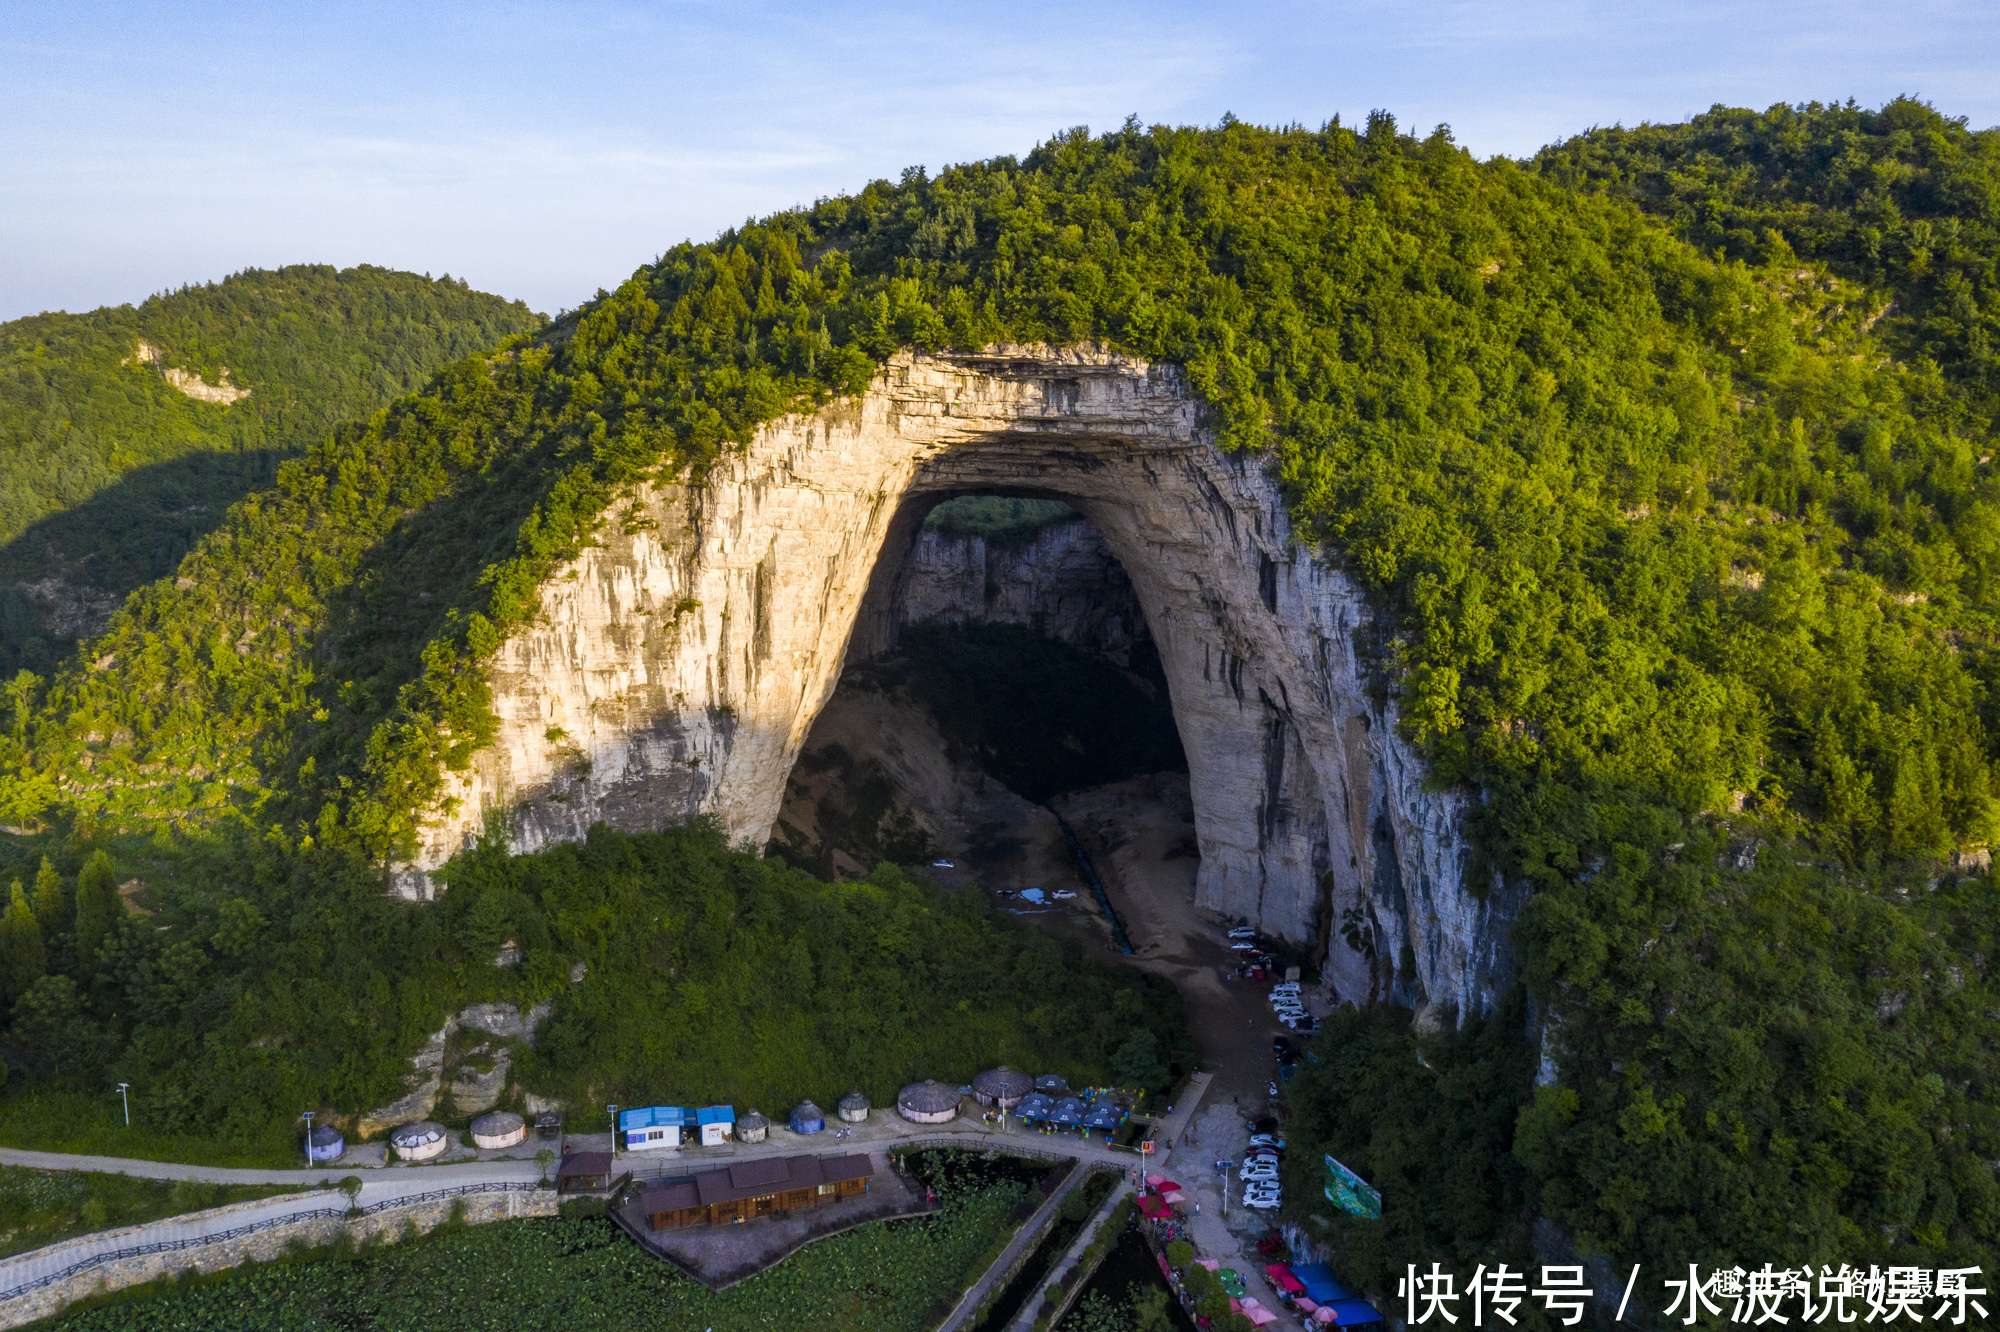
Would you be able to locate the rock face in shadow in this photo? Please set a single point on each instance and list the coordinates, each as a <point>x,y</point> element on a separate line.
<point>1064,582</point>
<point>678,665</point>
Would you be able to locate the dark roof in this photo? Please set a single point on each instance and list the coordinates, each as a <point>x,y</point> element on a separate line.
<point>1003,1081</point>
<point>929,1097</point>
<point>752,1174</point>
<point>840,1169</point>
<point>585,1163</point>
<point>671,1196</point>
<point>773,1174</point>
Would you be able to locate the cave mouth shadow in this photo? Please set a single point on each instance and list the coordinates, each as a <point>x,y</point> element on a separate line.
<point>63,578</point>
<point>1005,622</point>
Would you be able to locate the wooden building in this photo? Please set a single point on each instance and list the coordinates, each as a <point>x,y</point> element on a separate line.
<point>584,1172</point>
<point>755,1188</point>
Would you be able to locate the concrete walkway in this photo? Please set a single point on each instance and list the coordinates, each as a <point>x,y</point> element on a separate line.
<point>437,1176</point>
<point>995,1277</point>
<point>26,1268</point>
<point>1031,1308</point>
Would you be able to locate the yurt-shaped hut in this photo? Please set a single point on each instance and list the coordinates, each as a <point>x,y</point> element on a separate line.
<point>1002,1087</point>
<point>928,1102</point>
<point>807,1118</point>
<point>854,1108</point>
<point>752,1127</point>
<point>1052,1084</point>
<point>324,1144</point>
<point>502,1128</point>
<point>420,1141</point>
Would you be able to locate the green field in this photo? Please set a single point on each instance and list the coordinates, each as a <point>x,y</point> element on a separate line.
<point>581,1274</point>
<point>39,1207</point>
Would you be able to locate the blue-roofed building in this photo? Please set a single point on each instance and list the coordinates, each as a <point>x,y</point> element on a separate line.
<point>1320,1286</point>
<point>716,1123</point>
<point>656,1127</point>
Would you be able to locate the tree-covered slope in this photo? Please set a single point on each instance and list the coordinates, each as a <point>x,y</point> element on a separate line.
<point>1683,562</point>
<point>109,472</point>
<point>1900,198</point>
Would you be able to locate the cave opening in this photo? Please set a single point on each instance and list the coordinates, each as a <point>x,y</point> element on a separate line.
<point>1007,683</point>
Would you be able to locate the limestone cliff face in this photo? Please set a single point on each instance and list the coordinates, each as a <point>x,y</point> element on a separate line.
<point>1063,582</point>
<point>677,666</point>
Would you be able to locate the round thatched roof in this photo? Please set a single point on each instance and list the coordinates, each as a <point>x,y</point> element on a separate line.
<point>929,1097</point>
<point>854,1100</point>
<point>1003,1082</point>
<point>498,1124</point>
<point>805,1112</point>
<point>752,1120</point>
<point>322,1136</point>
<point>417,1134</point>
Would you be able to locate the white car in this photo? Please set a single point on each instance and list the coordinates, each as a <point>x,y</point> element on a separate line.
<point>1263,1202</point>
<point>1266,1140</point>
<point>1244,946</point>
<point>1243,932</point>
<point>1259,1176</point>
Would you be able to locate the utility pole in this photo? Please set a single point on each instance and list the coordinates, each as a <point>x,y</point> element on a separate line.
<point>127,1101</point>
<point>613,1108</point>
<point>309,1139</point>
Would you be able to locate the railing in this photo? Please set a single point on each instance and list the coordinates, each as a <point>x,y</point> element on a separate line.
<point>255,1227</point>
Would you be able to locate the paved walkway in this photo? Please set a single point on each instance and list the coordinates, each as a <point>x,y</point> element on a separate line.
<point>116,1165</point>
<point>1031,1308</point>
<point>996,1276</point>
<point>26,1268</point>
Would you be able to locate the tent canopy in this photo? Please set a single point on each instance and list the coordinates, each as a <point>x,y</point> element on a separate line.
<point>1281,1276</point>
<point>1355,1313</point>
<point>1035,1106</point>
<point>1152,1208</point>
<point>1319,1282</point>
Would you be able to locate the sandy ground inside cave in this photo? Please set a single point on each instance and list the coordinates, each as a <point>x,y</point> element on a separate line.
<point>1139,835</point>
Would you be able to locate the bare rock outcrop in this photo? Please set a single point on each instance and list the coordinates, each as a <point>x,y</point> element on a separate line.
<point>678,664</point>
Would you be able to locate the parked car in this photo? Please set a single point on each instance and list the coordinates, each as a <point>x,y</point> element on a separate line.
<point>1263,1202</point>
<point>1243,932</point>
<point>1244,946</point>
<point>1285,987</point>
<point>1267,1140</point>
<point>1252,1172</point>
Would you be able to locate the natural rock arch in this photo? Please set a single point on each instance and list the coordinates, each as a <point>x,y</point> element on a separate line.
<point>678,664</point>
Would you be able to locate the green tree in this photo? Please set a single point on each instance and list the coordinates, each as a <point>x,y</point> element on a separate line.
<point>21,952</point>
<point>97,906</point>
<point>1136,1063</point>
<point>51,904</point>
<point>50,1020</point>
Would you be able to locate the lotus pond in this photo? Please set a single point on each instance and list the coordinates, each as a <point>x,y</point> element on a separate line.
<point>552,1273</point>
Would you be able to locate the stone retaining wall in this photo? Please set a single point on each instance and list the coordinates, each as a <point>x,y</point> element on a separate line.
<point>264,1246</point>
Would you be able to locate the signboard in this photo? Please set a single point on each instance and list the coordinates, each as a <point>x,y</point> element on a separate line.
<point>1350,1193</point>
<point>1145,1147</point>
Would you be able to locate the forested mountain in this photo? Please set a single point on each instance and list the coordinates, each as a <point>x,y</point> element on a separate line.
<point>1685,545</point>
<point>109,469</point>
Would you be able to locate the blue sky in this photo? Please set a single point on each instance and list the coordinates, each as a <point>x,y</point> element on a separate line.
<point>543,151</point>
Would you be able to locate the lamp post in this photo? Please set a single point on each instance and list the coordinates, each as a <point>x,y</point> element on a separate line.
<point>127,1101</point>
<point>613,1108</point>
<point>309,1139</point>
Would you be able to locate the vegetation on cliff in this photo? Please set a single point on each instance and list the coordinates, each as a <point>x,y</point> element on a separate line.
<point>1685,559</point>
<point>109,473</point>
<point>262,981</point>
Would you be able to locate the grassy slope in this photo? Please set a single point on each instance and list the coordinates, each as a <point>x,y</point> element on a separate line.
<point>44,1206</point>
